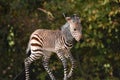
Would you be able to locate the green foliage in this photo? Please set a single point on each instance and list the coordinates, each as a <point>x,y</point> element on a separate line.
<point>97,57</point>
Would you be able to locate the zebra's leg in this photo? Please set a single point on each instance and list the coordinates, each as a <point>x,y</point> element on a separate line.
<point>45,64</point>
<point>64,62</point>
<point>27,62</point>
<point>72,60</point>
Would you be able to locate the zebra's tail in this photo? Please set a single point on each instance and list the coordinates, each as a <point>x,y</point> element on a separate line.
<point>28,50</point>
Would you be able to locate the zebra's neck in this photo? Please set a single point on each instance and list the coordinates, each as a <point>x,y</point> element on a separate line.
<point>66,32</point>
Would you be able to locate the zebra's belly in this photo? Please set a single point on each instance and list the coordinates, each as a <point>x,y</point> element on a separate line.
<point>54,49</point>
<point>49,49</point>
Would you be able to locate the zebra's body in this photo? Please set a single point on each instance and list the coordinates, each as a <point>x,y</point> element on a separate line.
<point>43,42</point>
<point>52,43</point>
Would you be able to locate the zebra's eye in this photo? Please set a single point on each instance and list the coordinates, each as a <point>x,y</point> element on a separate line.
<point>75,29</point>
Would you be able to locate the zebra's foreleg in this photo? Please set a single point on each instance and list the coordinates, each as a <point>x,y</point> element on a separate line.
<point>45,64</point>
<point>64,62</point>
<point>72,60</point>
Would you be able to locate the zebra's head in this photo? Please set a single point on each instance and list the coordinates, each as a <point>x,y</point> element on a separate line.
<point>75,27</point>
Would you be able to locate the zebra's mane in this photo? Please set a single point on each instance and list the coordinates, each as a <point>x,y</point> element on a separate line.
<point>66,31</point>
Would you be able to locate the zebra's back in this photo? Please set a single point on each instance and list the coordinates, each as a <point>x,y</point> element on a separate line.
<point>45,39</point>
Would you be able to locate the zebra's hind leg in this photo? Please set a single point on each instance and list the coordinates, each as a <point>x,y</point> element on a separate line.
<point>45,64</point>
<point>27,62</point>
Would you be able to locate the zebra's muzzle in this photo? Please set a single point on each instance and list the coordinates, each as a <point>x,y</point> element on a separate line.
<point>78,37</point>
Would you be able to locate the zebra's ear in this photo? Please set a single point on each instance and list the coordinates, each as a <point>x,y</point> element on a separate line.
<point>68,19</point>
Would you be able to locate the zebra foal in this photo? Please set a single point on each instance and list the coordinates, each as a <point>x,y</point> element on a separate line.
<point>43,42</point>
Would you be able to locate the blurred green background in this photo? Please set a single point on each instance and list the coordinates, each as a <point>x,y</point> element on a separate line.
<point>98,57</point>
